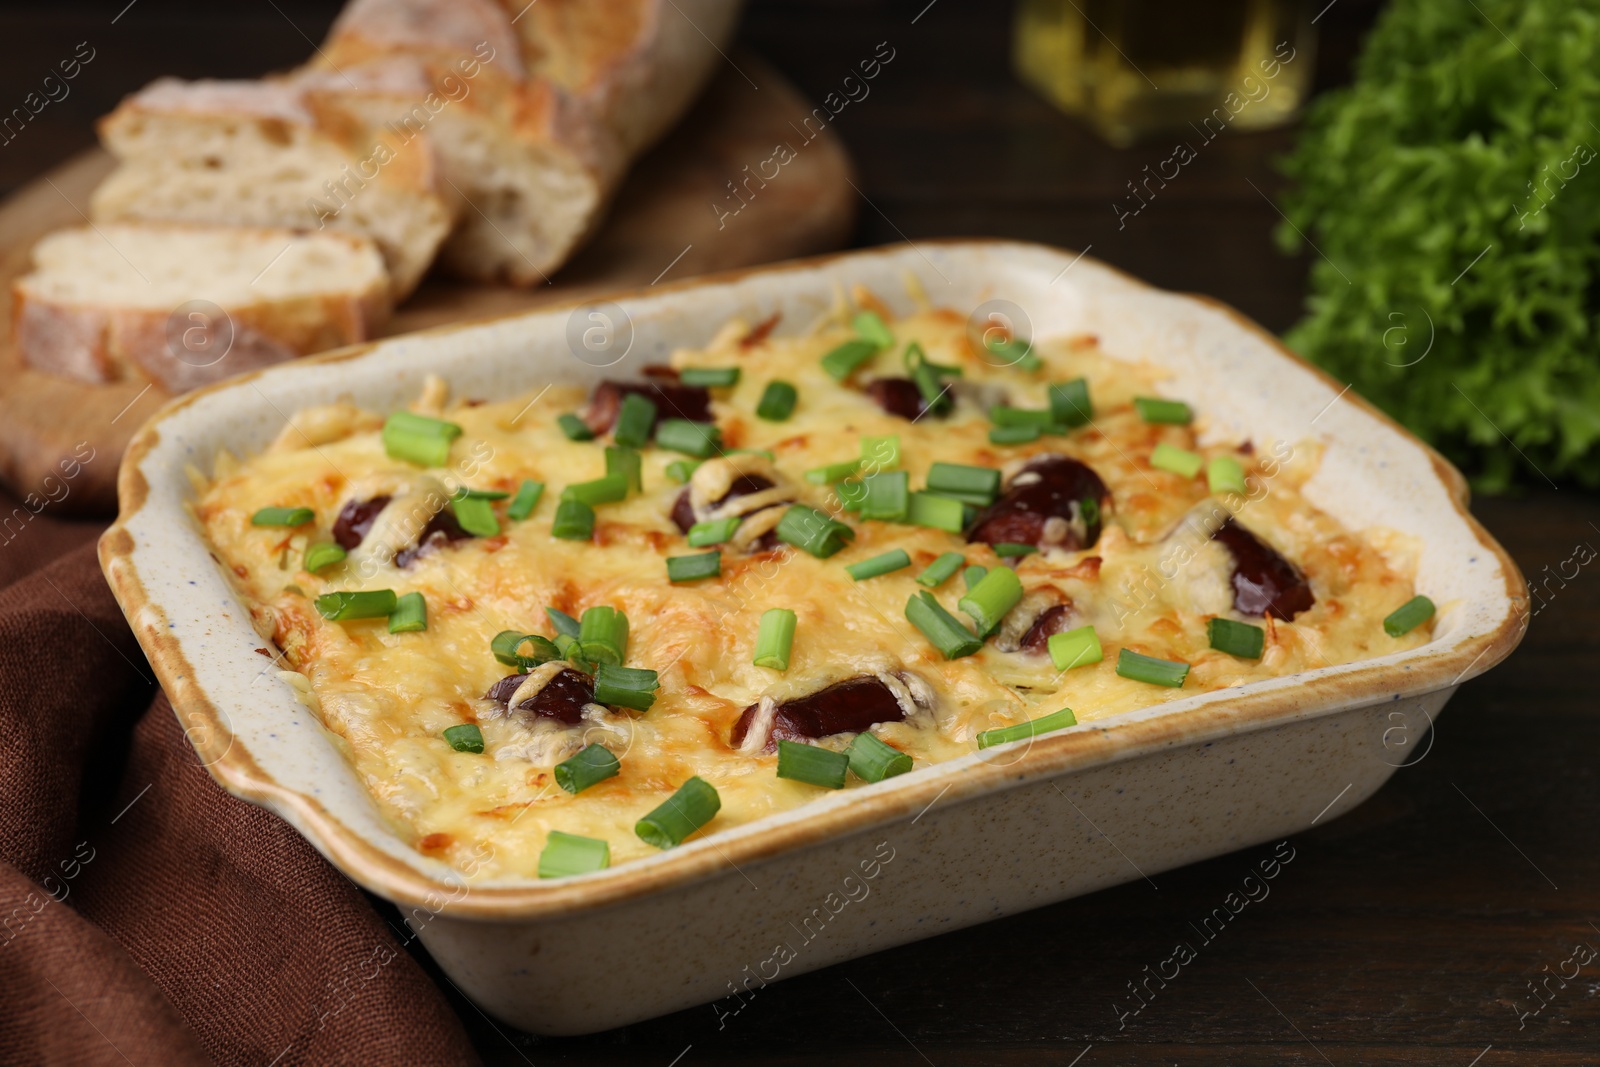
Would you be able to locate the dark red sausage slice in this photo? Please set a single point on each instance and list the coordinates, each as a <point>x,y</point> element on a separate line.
<point>440,531</point>
<point>743,485</point>
<point>847,707</point>
<point>1061,486</point>
<point>355,519</point>
<point>897,396</point>
<point>1052,620</point>
<point>673,400</point>
<point>562,697</point>
<point>1264,583</point>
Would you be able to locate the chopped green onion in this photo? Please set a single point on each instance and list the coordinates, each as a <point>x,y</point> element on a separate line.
<point>833,472</point>
<point>1224,474</point>
<point>1154,409</point>
<point>888,496</point>
<point>694,568</point>
<point>1179,461</point>
<point>809,529</point>
<point>939,512</point>
<point>481,494</point>
<point>625,687</point>
<point>1014,435</point>
<point>594,764</point>
<point>713,532</point>
<point>681,470</point>
<point>1059,720</point>
<point>1070,406</point>
<point>872,760</point>
<point>475,515</point>
<point>879,565</point>
<point>636,416</point>
<point>571,650</point>
<point>566,854</point>
<point>699,439</point>
<point>777,401</point>
<point>464,738</point>
<point>282,517</point>
<point>1008,550</point>
<point>709,377</point>
<point>812,765</point>
<point>1016,353</point>
<point>418,439</point>
<point>1408,616</point>
<point>941,627</point>
<point>603,635</point>
<point>1005,415</point>
<point>973,575</point>
<point>927,377</point>
<point>981,484</point>
<point>564,623</point>
<point>507,648</point>
<point>880,453</point>
<point>1089,510</point>
<point>410,615</point>
<point>605,490</point>
<point>1236,638</point>
<point>1142,668</point>
<point>988,601</point>
<point>620,459</point>
<point>935,574</point>
<point>869,326</point>
<point>842,361</point>
<point>527,498</point>
<point>691,807</point>
<point>774,639</point>
<point>1075,648</point>
<point>851,494</point>
<point>574,521</point>
<point>575,428</point>
<point>372,604</point>
<point>323,554</point>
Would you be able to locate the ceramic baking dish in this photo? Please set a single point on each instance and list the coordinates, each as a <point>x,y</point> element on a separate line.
<point>945,846</point>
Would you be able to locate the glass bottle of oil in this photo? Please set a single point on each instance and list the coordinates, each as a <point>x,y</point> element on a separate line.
<point>1137,67</point>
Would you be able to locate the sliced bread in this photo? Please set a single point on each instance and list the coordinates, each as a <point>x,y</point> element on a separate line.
<point>183,306</point>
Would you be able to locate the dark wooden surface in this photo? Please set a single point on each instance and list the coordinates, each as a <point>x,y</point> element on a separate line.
<point>1405,932</point>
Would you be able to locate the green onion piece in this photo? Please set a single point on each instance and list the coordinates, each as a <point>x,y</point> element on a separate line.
<point>989,600</point>
<point>777,401</point>
<point>1142,668</point>
<point>475,515</point>
<point>833,472</point>
<point>941,627</point>
<point>635,418</point>
<point>574,428</point>
<point>694,568</point>
<point>812,765</point>
<point>842,361</point>
<point>691,807</point>
<point>961,481</point>
<point>1224,474</point>
<point>713,532</point>
<point>418,439</point>
<point>1008,550</point>
<point>1408,616</point>
<point>1075,648</point>
<point>605,490</point>
<point>625,687</point>
<point>869,326</point>
<point>527,498</point>
<point>1059,720</point>
<point>410,615</point>
<point>1016,353</point>
<point>938,512</point>
<point>603,635</point>
<point>851,494</point>
<point>888,496</point>
<point>973,575</point>
<point>872,760</point>
<point>1179,461</point>
<point>809,529</point>
<point>1014,435</point>
<point>594,764</point>
<point>372,604</point>
<point>572,652</point>
<point>574,521</point>
<point>282,517</point>
<point>1154,409</point>
<point>709,377</point>
<point>774,639</point>
<point>507,648</point>
<point>481,494</point>
<point>681,470</point>
<point>935,574</point>
<point>565,855</point>
<point>323,554</point>
<point>879,565</point>
<point>1005,415</point>
<point>464,738</point>
<point>1070,406</point>
<point>880,453</point>
<point>620,459</point>
<point>564,623</point>
<point>928,378</point>
<point>699,439</point>
<point>1089,510</point>
<point>1236,638</point>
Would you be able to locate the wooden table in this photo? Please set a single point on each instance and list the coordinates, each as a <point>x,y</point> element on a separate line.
<point>1405,932</point>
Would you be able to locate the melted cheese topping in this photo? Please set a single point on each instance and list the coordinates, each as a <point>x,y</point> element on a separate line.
<point>1150,583</point>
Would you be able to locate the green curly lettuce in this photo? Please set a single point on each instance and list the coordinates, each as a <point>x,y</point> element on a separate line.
<point>1453,193</point>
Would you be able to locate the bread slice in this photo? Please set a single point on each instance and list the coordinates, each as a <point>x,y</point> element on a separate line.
<point>184,306</point>
<point>264,153</point>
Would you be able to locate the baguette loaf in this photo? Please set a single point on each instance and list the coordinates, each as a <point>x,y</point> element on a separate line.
<point>183,306</point>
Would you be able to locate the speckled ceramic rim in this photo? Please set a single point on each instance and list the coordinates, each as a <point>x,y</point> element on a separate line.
<point>1438,665</point>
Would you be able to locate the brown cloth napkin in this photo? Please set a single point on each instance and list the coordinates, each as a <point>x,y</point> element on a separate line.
<point>148,918</point>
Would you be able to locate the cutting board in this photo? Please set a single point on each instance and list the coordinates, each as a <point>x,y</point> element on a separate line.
<point>671,220</point>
